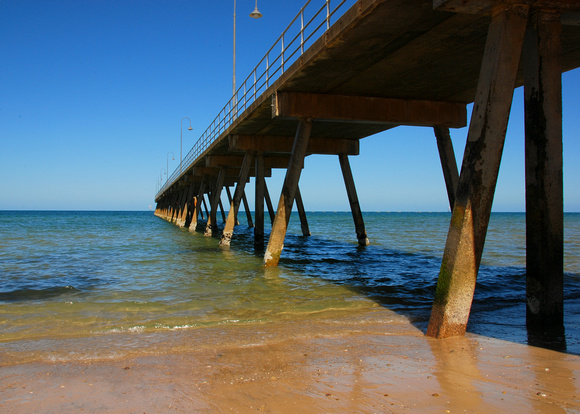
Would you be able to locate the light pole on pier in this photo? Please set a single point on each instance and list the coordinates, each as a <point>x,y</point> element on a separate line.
<point>181,140</point>
<point>255,15</point>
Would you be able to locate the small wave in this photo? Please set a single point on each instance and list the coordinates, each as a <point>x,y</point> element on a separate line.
<point>137,329</point>
<point>20,295</point>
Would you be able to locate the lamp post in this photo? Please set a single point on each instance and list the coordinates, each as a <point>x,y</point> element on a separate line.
<point>255,15</point>
<point>181,140</point>
<point>167,170</point>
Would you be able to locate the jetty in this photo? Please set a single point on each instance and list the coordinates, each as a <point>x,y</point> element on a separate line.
<point>346,70</point>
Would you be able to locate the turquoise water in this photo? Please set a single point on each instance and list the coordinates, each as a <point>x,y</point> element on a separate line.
<point>71,275</point>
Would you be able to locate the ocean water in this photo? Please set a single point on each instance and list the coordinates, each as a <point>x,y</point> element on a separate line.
<point>69,276</point>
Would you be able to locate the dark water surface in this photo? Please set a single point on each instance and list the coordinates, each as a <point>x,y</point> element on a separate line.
<point>73,275</point>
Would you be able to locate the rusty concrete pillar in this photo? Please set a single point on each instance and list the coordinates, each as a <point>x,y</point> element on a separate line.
<point>479,171</point>
<point>183,218</point>
<point>167,211</point>
<point>448,162</point>
<point>191,206</point>
<point>301,213</point>
<point>180,220</point>
<point>230,199</point>
<point>259,201</point>
<point>197,205</point>
<point>214,204</point>
<point>544,186</point>
<point>361,233</point>
<point>276,242</point>
<point>179,206</point>
<point>175,205</point>
<point>235,203</point>
<point>159,208</point>
<point>169,207</point>
<point>163,208</point>
<point>170,202</point>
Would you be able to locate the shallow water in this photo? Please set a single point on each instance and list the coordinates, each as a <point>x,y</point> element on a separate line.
<point>74,275</point>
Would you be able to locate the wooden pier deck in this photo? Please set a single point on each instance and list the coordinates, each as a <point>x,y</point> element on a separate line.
<point>385,63</point>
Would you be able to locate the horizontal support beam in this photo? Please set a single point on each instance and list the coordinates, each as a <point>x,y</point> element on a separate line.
<point>369,109</point>
<point>236,161</point>
<point>486,6</point>
<point>199,171</point>
<point>231,172</point>
<point>283,145</point>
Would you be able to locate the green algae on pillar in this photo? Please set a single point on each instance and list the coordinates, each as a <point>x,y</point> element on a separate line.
<point>477,181</point>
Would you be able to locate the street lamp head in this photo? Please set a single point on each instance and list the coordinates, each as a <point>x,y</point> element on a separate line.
<point>190,128</point>
<point>256,13</point>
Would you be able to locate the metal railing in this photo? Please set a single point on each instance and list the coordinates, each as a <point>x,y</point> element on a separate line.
<point>294,40</point>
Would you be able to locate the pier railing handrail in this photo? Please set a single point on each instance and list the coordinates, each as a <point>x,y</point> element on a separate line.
<point>264,73</point>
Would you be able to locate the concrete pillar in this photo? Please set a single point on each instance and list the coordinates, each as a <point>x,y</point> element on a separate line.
<point>215,198</point>
<point>222,210</point>
<point>230,199</point>
<point>259,201</point>
<point>247,208</point>
<point>159,208</point>
<point>167,208</point>
<point>271,212</point>
<point>174,206</point>
<point>204,206</point>
<point>361,233</point>
<point>478,177</point>
<point>179,206</point>
<point>280,225</point>
<point>448,162</point>
<point>235,203</point>
<point>301,213</point>
<point>197,205</point>
<point>544,186</point>
<point>163,211</point>
<point>183,219</point>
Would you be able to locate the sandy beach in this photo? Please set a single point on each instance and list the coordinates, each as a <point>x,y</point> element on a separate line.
<point>368,363</point>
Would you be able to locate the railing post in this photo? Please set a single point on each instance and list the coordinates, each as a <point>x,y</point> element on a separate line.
<point>302,31</point>
<point>255,81</point>
<point>327,14</point>
<point>282,54</point>
<point>268,70</point>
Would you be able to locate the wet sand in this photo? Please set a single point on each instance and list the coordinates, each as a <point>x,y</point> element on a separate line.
<point>368,363</point>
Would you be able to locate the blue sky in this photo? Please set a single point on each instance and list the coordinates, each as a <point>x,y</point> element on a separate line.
<point>92,94</point>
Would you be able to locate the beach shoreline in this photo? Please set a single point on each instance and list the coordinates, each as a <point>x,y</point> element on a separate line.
<point>371,362</point>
